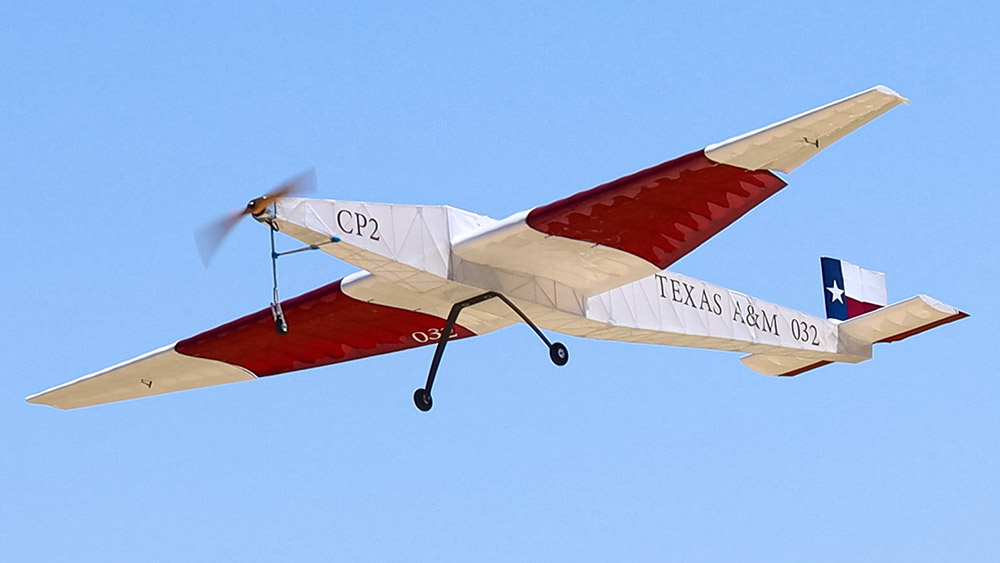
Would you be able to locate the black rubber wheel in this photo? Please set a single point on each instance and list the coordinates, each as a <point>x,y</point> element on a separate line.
<point>422,399</point>
<point>558,353</point>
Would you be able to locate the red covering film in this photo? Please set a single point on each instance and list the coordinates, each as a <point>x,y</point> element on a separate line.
<point>325,326</point>
<point>857,308</point>
<point>661,213</point>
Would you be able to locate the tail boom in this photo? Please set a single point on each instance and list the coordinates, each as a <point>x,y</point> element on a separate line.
<point>676,310</point>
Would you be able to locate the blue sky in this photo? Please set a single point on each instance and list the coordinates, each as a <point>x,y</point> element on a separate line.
<point>128,126</point>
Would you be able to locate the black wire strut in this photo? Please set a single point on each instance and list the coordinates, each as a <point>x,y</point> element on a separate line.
<point>422,397</point>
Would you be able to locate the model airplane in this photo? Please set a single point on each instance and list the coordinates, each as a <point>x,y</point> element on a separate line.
<point>591,265</point>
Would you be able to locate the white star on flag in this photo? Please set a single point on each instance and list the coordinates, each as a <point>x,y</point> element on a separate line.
<point>836,294</point>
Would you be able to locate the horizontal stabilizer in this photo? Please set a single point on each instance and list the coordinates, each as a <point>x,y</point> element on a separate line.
<point>787,144</point>
<point>888,324</point>
<point>771,364</point>
<point>900,320</point>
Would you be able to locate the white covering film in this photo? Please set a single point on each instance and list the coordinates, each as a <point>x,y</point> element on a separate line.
<point>425,258</point>
<point>406,250</point>
<point>511,245</point>
<point>481,319</point>
<point>864,285</point>
<point>670,308</point>
<point>155,373</point>
<point>787,144</point>
<point>406,244</point>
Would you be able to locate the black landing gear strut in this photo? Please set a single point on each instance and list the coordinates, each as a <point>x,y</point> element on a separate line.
<point>422,397</point>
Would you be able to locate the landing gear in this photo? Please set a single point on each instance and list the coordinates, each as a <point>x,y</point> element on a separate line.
<point>423,400</point>
<point>558,353</point>
<point>269,219</point>
<point>422,397</point>
<point>280,326</point>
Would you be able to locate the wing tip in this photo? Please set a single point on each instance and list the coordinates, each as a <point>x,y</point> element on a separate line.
<point>38,399</point>
<point>786,144</point>
<point>133,379</point>
<point>883,89</point>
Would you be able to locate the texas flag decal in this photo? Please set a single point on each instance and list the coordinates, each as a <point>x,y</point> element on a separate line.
<point>850,290</point>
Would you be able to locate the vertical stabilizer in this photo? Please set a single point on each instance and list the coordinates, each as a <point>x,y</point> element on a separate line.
<point>849,290</point>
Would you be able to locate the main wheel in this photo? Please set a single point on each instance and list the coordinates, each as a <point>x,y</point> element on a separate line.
<point>422,399</point>
<point>558,353</point>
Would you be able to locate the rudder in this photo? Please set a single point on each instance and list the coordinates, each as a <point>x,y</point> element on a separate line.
<point>849,290</point>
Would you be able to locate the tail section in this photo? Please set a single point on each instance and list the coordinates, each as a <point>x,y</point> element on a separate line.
<point>850,290</point>
<point>900,320</point>
<point>856,301</point>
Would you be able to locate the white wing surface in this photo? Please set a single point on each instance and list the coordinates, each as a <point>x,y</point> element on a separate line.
<point>155,373</point>
<point>785,145</point>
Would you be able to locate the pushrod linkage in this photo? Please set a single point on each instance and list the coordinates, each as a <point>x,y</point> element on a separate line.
<point>306,248</point>
<point>422,397</point>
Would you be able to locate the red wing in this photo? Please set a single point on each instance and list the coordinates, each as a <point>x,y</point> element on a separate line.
<point>630,228</point>
<point>326,326</point>
<point>661,213</point>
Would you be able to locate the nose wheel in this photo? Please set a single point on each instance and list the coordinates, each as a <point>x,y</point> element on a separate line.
<point>558,352</point>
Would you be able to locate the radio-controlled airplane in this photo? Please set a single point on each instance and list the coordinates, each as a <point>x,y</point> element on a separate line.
<point>591,265</point>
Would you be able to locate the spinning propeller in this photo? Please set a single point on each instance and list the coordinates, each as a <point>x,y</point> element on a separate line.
<point>210,237</point>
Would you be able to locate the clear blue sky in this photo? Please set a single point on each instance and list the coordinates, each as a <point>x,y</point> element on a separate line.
<point>125,127</point>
